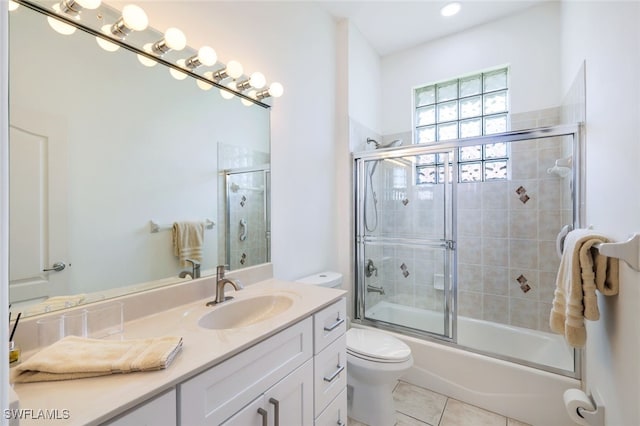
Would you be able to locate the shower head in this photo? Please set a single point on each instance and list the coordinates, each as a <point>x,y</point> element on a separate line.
<point>379,145</point>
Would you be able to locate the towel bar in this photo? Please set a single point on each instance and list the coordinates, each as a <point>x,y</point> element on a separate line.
<point>155,227</point>
<point>629,251</point>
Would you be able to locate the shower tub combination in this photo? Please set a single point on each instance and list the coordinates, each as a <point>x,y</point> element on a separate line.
<point>472,339</point>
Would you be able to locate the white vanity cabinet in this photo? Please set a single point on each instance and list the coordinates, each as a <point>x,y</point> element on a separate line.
<point>296,377</point>
<point>160,411</point>
<point>286,403</point>
<point>235,386</point>
<point>330,364</point>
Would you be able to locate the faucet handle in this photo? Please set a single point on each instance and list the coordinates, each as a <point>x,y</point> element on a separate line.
<point>220,271</point>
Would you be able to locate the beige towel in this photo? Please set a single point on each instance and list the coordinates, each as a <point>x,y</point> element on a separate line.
<point>582,270</point>
<point>77,357</point>
<point>187,241</point>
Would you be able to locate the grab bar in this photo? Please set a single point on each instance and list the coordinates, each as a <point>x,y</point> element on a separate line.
<point>629,251</point>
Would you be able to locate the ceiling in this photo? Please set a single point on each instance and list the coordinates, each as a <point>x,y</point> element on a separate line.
<point>391,26</point>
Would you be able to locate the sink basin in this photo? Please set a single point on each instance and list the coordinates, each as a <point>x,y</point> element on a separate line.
<point>245,312</point>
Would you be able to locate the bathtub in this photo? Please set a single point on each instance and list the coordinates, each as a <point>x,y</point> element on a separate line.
<point>524,393</point>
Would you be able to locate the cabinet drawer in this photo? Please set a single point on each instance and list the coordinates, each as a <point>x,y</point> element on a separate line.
<point>330,373</point>
<point>336,413</point>
<point>214,395</point>
<point>328,324</point>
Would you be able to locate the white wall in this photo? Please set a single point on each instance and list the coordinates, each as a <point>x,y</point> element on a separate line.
<point>529,42</point>
<point>606,36</point>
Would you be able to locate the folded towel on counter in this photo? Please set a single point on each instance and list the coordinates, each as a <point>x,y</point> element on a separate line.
<point>582,270</point>
<point>75,358</point>
<point>188,238</point>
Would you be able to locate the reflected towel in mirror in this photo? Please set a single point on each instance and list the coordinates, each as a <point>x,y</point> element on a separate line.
<point>188,238</point>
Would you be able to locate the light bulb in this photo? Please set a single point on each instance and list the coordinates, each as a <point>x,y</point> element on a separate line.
<point>13,5</point>
<point>226,94</point>
<point>203,84</point>
<point>175,39</point>
<point>450,9</point>
<point>144,60</point>
<point>252,94</point>
<point>257,80</point>
<point>234,69</point>
<point>276,90</point>
<point>106,44</point>
<point>89,4</point>
<point>59,26</point>
<point>178,75</point>
<point>134,17</point>
<point>207,56</point>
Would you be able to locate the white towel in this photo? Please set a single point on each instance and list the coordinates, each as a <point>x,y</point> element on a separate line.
<point>582,270</point>
<point>77,358</point>
<point>188,238</point>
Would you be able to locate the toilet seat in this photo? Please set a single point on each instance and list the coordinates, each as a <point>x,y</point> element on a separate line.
<point>376,346</point>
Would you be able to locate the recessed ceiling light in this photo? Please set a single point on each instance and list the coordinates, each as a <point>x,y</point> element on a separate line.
<point>450,9</point>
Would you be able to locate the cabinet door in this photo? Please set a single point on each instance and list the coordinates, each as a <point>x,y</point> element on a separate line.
<point>160,411</point>
<point>290,401</point>
<point>253,414</point>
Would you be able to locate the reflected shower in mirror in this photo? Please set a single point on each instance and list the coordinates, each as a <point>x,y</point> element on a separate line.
<point>100,145</point>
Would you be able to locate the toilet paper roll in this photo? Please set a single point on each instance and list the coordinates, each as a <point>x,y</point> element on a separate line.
<point>574,399</point>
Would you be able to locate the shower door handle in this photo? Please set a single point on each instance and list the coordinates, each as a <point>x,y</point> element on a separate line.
<point>243,229</point>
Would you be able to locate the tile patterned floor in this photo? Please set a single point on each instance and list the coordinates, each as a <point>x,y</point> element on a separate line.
<point>416,406</point>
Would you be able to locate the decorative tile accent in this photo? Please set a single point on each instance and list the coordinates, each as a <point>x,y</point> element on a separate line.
<point>243,258</point>
<point>244,201</point>
<point>522,192</point>
<point>405,270</point>
<point>524,286</point>
<point>405,201</point>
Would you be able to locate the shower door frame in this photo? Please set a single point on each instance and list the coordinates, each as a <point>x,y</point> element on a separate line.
<point>227,174</point>
<point>576,131</point>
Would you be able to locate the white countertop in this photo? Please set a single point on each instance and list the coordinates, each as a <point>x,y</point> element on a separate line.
<point>95,400</point>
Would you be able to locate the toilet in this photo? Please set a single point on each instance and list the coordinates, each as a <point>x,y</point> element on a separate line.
<point>375,361</point>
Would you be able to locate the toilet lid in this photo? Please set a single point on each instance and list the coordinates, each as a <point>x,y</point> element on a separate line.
<point>376,345</point>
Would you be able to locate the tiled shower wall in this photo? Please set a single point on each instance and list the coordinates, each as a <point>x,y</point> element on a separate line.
<point>507,261</point>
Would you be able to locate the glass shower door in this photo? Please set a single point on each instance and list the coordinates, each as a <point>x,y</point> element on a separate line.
<point>405,241</point>
<point>247,218</point>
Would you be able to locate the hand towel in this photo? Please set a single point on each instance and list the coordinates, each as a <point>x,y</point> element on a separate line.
<point>187,241</point>
<point>582,270</point>
<point>76,357</point>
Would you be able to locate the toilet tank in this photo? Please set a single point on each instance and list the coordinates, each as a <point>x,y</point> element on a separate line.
<point>324,279</point>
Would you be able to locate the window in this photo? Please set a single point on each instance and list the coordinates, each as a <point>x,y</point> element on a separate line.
<point>461,108</point>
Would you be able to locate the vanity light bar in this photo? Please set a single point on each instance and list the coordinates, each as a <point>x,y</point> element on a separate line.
<point>133,18</point>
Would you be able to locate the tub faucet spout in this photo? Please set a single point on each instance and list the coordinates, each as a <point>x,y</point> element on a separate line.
<point>374,289</point>
<point>221,282</point>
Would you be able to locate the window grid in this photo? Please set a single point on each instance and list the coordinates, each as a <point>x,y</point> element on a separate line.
<point>460,108</point>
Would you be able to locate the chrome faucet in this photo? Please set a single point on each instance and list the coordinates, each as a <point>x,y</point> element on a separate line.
<point>221,281</point>
<point>195,270</point>
<point>374,289</point>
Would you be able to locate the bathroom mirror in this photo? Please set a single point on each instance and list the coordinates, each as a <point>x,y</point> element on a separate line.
<point>105,155</point>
